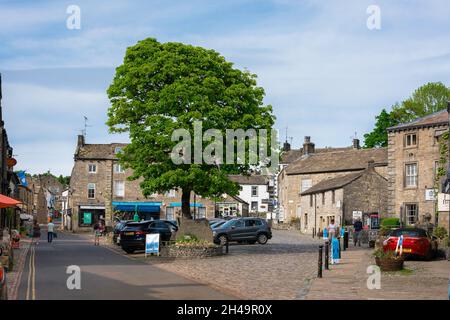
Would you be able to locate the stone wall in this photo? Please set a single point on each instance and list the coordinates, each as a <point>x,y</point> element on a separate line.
<point>173,251</point>
<point>425,154</point>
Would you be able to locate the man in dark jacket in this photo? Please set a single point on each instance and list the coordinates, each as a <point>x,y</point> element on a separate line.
<point>357,227</point>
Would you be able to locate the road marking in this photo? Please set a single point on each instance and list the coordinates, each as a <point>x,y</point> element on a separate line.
<point>31,275</point>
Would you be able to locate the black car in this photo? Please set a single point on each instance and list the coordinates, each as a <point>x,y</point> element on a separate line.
<point>132,237</point>
<point>117,228</point>
<point>249,230</point>
<point>3,288</point>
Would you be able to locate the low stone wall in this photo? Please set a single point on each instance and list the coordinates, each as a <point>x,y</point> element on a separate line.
<point>285,226</point>
<point>173,251</point>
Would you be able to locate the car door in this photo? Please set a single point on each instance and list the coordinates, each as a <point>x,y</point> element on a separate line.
<point>251,229</point>
<point>161,228</point>
<point>237,230</point>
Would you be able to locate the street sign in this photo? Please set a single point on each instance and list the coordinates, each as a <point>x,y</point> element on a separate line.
<point>152,243</point>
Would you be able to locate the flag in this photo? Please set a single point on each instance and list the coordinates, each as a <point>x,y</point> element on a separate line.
<point>23,178</point>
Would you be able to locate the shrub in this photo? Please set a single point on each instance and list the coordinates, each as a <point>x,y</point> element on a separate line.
<point>390,222</point>
<point>440,232</point>
<point>187,238</point>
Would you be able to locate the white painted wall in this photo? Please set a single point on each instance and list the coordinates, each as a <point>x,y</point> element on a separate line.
<point>246,195</point>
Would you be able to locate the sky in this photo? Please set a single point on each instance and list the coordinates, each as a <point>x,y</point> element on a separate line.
<point>326,74</point>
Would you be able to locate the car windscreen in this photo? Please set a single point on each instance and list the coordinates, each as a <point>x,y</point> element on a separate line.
<point>218,224</point>
<point>229,223</point>
<point>416,233</point>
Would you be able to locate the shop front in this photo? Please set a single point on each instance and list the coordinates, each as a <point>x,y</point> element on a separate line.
<point>88,216</point>
<point>137,210</point>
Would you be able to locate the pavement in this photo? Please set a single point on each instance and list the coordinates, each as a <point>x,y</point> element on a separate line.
<point>105,274</point>
<point>280,269</point>
<point>420,280</point>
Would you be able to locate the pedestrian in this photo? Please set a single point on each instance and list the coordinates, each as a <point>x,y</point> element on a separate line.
<point>332,229</point>
<point>357,228</point>
<point>98,231</point>
<point>50,231</point>
<point>36,231</point>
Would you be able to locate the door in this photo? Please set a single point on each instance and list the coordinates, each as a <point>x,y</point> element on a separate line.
<point>251,229</point>
<point>237,230</point>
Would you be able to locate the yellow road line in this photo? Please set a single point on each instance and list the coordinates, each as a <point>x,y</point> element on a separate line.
<point>33,283</point>
<point>31,275</point>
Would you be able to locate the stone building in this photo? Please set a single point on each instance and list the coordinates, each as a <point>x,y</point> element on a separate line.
<point>330,169</point>
<point>413,157</point>
<point>47,191</point>
<point>99,187</point>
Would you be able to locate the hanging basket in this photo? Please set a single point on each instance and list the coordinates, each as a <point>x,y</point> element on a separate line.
<point>390,264</point>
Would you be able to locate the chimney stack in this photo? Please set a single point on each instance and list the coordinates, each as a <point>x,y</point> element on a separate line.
<point>80,141</point>
<point>286,146</point>
<point>356,144</point>
<point>308,146</point>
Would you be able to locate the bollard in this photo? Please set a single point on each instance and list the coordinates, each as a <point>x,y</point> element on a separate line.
<point>319,264</point>
<point>313,231</point>
<point>318,233</point>
<point>226,247</point>
<point>327,255</point>
<point>345,239</point>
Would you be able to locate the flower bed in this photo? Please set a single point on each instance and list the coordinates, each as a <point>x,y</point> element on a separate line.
<point>192,251</point>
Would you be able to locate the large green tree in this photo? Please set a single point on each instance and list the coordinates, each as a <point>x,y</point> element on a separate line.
<point>426,100</point>
<point>163,87</point>
<point>378,137</point>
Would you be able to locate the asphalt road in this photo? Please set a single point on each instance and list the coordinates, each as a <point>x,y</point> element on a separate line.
<point>105,274</point>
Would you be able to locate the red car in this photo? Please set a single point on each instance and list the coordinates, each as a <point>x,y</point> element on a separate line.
<point>416,242</point>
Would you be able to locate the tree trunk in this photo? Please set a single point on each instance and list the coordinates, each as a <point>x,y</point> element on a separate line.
<point>185,204</point>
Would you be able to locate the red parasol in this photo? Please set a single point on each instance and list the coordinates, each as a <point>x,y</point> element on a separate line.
<point>6,202</point>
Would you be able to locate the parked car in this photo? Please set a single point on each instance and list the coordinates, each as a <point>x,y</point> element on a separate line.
<point>117,228</point>
<point>3,287</point>
<point>416,242</point>
<point>172,225</point>
<point>250,230</point>
<point>217,224</point>
<point>132,237</point>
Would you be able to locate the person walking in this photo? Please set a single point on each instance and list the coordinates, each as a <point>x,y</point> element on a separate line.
<point>357,228</point>
<point>98,231</point>
<point>50,231</point>
<point>332,230</point>
<point>36,232</point>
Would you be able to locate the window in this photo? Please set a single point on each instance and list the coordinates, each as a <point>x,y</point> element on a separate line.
<point>411,175</point>
<point>92,168</point>
<point>323,198</point>
<point>119,188</point>
<point>306,221</point>
<point>118,168</point>
<point>333,197</point>
<point>306,184</point>
<point>411,213</point>
<point>254,206</point>
<point>254,191</point>
<point>250,222</point>
<point>410,140</point>
<point>171,193</point>
<point>91,190</point>
<point>310,200</point>
<point>117,150</point>
<point>170,215</point>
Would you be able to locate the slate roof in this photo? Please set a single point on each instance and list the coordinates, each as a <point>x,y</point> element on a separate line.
<point>334,183</point>
<point>437,118</point>
<point>349,160</point>
<point>98,151</point>
<point>290,156</point>
<point>254,179</point>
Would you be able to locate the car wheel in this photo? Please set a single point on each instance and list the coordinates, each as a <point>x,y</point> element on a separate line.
<point>262,238</point>
<point>430,254</point>
<point>223,240</point>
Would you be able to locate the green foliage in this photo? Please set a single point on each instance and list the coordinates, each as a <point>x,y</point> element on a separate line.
<point>440,232</point>
<point>191,240</point>
<point>161,87</point>
<point>390,222</point>
<point>426,100</point>
<point>378,137</point>
<point>65,181</point>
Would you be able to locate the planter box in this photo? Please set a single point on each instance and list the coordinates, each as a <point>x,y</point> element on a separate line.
<point>389,264</point>
<point>173,251</point>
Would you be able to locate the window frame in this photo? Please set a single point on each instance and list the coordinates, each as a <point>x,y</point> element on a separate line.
<point>89,189</point>
<point>410,135</point>
<point>116,182</point>
<point>416,215</point>
<point>254,188</point>
<point>93,165</point>
<point>406,176</point>
<point>116,166</point>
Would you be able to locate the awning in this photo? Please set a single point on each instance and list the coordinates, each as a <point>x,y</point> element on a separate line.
<point>7,202</point>
<point>137,206</point>
<point>178,204</point>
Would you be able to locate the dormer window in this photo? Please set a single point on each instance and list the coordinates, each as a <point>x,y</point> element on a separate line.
<point>410,140</point>
<point>117,150</point>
